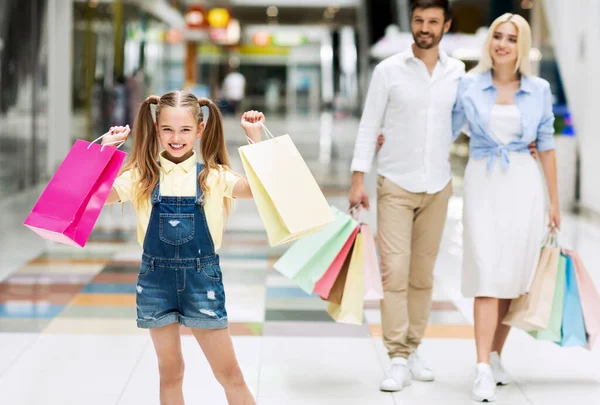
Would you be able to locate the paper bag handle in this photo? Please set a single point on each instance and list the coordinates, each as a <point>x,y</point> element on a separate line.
<point>109,143</point>
<point>269,134</point>
<point>355,211</point>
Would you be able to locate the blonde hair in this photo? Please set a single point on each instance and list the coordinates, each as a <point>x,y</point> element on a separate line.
<point>143,160</point>
<point>523,65</point>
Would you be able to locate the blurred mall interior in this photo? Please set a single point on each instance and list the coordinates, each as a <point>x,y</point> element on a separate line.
<point>70,69</point>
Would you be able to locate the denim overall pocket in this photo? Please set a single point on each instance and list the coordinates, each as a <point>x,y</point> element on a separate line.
<point>176,229</point>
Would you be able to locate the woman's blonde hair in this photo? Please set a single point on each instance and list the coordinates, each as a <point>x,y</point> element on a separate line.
<point>143,160</point>
<point>523,65</point>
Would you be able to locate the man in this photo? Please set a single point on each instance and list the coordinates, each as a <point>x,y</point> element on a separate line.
<point>234,88</point>
<point>410,97</point>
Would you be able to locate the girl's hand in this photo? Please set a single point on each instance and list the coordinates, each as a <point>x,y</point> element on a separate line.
<point>251,123</point>
<point>116,135</point>
<point>554,217</point>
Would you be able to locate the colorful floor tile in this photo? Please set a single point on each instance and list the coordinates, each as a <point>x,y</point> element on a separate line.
<point>93,289</point>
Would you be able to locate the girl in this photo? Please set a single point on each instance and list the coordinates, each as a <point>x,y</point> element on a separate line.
<point>506,108</point>
<point>181,205</point>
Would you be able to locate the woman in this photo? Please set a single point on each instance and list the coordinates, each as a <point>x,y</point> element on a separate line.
<point>504,204</point>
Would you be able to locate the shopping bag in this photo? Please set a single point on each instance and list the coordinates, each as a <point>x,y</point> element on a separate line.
<point>325,284</point>
<point>590,300</point>
<point>288,198</point>
<point>69,206</point>
<point>531,311</point>
<point>373,284</point>
<point>553,333</point>
<point>307,260</point>
<point>573,327</point>
<point>337,291</point>
<point>351,308</point>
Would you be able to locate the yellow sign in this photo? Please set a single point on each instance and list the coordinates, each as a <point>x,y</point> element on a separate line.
<point>218,17</point>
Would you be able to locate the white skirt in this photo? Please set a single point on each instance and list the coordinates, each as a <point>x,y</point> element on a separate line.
<point>504,220</point>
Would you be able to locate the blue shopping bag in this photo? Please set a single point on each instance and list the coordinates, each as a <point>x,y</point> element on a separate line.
<point>573,327</point>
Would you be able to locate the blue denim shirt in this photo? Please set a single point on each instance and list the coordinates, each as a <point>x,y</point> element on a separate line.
<point>474,102</point>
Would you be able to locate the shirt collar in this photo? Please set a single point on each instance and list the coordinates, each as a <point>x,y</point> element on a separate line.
<point>187,165</point>
<point>487,82</point>
<point>410,55</point>
<point>525,84</point>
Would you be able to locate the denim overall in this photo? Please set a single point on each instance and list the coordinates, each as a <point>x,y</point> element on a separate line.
<point>180,278</point>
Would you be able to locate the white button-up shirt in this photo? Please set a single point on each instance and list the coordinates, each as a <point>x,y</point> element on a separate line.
<point>413,110</point>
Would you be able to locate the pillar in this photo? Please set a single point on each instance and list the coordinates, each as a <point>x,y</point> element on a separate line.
<point>60,62</point>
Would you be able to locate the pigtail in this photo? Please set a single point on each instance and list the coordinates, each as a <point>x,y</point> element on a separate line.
<point>213,147</point>
<point>146,148</point>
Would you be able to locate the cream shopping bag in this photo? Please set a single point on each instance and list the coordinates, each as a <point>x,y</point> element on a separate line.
<point>351,308</point>
<point>288,198</point>
<point>532,311</point>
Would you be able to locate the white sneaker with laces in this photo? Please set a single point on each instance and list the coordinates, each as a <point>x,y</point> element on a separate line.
<point>397,377</point>
<point>484,388</point>
<point>419,369</point>
<point>500,375</point>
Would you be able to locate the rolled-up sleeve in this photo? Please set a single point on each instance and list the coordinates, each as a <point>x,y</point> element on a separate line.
<point>545,132</point>
<point>370,122</point>
<point>229,179</point>
<point>124,185</point>
<point>459,118</point>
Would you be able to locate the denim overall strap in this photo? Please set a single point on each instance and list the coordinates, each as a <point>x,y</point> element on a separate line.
<point>199,194</point>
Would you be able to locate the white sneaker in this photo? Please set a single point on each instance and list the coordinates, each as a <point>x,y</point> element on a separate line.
<point>500,375</point>
<point>419,369</point>
<point>397,377</point>
<point>484,388</point>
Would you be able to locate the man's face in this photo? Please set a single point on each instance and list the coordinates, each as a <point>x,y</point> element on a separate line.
<point>428,26</point>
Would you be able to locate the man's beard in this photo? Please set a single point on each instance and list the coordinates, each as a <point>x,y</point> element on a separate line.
<point>428,42</point>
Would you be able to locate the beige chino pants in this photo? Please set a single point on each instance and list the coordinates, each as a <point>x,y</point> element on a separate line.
<point>410,228</point>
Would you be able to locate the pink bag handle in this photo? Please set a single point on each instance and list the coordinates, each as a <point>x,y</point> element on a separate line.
<point>109,143</point>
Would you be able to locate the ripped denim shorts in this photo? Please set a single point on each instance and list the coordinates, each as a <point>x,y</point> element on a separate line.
<point>187,291</point>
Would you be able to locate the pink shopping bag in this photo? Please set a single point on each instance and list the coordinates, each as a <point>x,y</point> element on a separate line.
<point>373,284</point>
<point>69,207</point>
<point>590,300</point>
<point>325,283</point>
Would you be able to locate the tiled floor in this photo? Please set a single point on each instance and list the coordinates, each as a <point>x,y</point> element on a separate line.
<point>68,333</point>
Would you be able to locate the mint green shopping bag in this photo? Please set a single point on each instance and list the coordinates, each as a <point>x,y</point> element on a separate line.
<point>307,260</point>
<point>553,333</point>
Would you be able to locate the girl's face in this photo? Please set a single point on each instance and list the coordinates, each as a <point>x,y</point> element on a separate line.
<point>178,132</point>
<point>503,46</point>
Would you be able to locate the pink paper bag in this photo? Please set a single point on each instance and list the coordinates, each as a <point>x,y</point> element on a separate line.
<point>590,300</point>
<point>325,283</point>
<point>373,284</point>
<point>69,207</point>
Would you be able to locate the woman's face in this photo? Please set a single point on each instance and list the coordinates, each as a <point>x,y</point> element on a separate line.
<point>503,46</point>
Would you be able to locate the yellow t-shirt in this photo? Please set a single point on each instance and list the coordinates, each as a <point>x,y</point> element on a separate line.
<point>180,180</point>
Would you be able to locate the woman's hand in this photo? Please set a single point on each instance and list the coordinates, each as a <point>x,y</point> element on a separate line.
<point>116,135</point>
<point>533,150</point>
<point>554,217</point>
<point>380,142</point>
<point>251,123</point>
